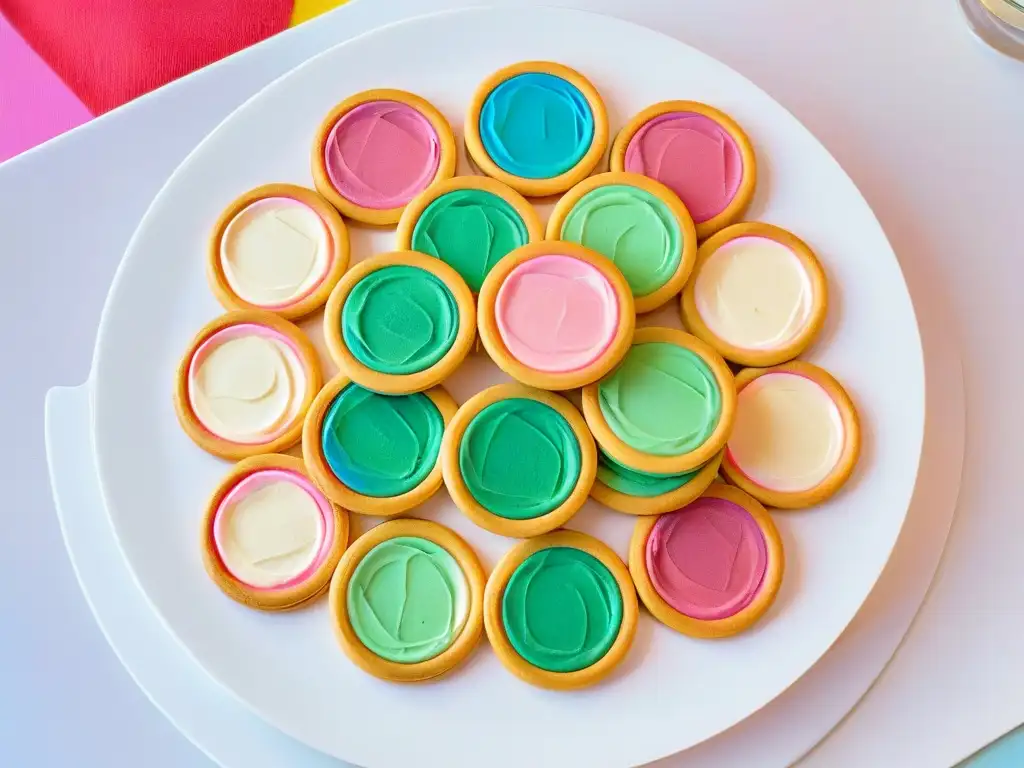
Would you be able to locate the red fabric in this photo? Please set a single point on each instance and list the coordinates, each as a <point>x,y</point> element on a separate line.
<point>110,51</point>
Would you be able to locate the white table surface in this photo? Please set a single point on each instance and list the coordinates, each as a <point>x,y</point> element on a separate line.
<point>926,121</point>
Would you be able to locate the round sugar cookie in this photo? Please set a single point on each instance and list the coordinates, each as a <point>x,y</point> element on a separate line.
<point>758,294</point>
<point>796,438</point>
<point>280,248</point>
<point>710,569</point>
<point>555,315</point>
<point>407,601</point>
<point>270,539</point>
<point>377,150</point>
<point>560,610</point>
<point>518,461</point>
<point>698,152</point>
<point>470,223</point>
<point>633,492</point>
<point>376,454</point>
<point>537,126</point>
<point>400,322</point>
<point>638,223</point>
<point>245,383</point>
<point>667,408</point>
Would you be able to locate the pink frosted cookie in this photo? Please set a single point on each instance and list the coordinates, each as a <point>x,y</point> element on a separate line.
<point>555,315</point>
<point>710,569</point>
<point>377,150</point>
<point>698,152</point>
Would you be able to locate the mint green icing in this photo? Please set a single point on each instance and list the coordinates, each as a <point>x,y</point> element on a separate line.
<point>633,482</point>
<point>399,320</point>
<point>381,445</point>
<point>469,229</point>
<point>562,609</point>
<point>519,458</point>
<point>662,399</point>
<point>633,228</point>
<point>408,599</point>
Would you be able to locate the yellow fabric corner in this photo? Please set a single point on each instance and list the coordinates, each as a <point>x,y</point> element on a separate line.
<point>304,10</point>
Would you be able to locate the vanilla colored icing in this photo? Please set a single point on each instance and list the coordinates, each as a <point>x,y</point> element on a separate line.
<point>273,530</point>
<point>275,251</point>
<point>754,293</point>
<point>693,156</point>
<point>246,384</point>
<point>382,154</point>
<point>556,313</point>
<point>788,434</point>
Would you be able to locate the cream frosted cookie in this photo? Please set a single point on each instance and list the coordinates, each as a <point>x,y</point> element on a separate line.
<point>518,461</point>
<point>280,248</point>
<point>407,601</point>
<point>537,126</point>
<point>270,538</point>
<point>797,436</point>
<point>555,315</point>
<point>560,610</point>
<point>377,150</point>
<point>698,152</point>
<point>711,568</point>
<point>758,294</point>
<point>245,384</point>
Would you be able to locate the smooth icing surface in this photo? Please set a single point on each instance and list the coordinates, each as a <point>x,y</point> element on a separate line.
<point>536,125</point>
<point>519,458</point>
<point>788,434</point>
<point>693,156</point>
<point>408,600</point>
<point>631,227</point>
<point>633,482</point>
<point>275,251</point>
<point>382,154</point>
<point>556,313</point>
<point>246,383</point>
<point>663,399</point>
<point>708,559</point>
<point>273,530</point>
<point>754,293</point>
<point>562,609</point>
<point>400,320</point>
<point>469,229</point>
<point>381,445</point>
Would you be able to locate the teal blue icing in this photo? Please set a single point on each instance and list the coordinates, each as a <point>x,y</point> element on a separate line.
<point>536,125</point>
<point>381,445</point>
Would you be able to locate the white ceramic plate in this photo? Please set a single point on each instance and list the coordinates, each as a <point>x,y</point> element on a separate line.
<point>673,692</point>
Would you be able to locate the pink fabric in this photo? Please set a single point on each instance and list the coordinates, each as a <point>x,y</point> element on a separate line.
<point>110,51</point>
<point>34,104</point>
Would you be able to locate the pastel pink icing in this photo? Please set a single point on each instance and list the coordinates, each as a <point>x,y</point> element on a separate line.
<point>251,484</point>
<point>222,336</point>
<point>708,559</point>
<point>382,154</point>
<point>556,313</point>
<point>692,155</point>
